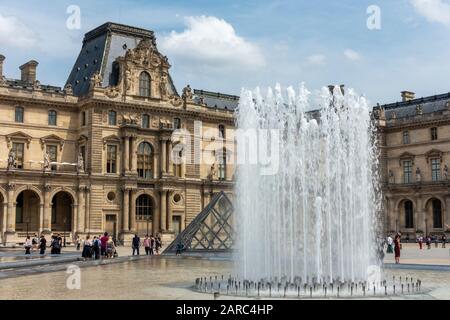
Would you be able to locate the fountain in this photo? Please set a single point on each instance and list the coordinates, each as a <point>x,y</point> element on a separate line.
<point>312,220</point>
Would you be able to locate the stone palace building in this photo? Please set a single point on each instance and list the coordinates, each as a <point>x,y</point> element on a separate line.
<point>415,160</point>
<point>99,154</point>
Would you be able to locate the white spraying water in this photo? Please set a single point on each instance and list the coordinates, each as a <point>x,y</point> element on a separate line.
<point>315,218</point>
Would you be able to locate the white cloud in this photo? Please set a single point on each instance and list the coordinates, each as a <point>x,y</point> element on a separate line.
<point>15,33</point>
<point>352,55</point>
<point>317,59</point>
<point>433,10</point>
<point>211,41</point>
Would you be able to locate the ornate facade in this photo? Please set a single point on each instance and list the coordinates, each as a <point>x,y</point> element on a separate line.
<point>100,153</point>
<point>415,155</point>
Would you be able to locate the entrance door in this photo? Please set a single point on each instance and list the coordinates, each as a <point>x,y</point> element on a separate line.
<point>176,224</point>
<point>110,226</point>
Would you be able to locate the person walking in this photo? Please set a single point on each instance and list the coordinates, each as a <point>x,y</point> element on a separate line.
<point>78,242</point>
<point>96,244</point>
<point>444,240</point>
<point>136,243</point>
<point>436,241</point>
<point>420,241</point>
<point>390,243</point>
<point>147,245</point>
<point>110,248</point>
<point>104,240</point>
<point>35,241</point>
<point>87,248</point>
<point>152,245</point>
<point>397,248</point>
<point>55,245</point>
<point>428,242</point>
<point>60,243</point>
<point>42,245</point>
<point>28,245</point>
<point>158,244</point>
<point>180,247</point>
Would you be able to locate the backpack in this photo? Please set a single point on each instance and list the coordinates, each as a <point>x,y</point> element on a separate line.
<point>96,244</point>
<point>55,244</point>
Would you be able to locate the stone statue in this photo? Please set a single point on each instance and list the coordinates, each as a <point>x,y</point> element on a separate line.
<point>391,177</point>
<point>187,93</point>
<point>96,80</point>
<point>418,175</point>
<point>11,159</point>
<point>419,110</point>
<point>68,89</point>
<point>80,163</point>
<point>128,79</point>
<point>445,172</point>
<point>163,86</point>
<point>46,161</point>
<point>212,172</point>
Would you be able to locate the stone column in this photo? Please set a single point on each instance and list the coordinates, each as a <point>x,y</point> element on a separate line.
<point>169,160</point>
<point>126,155</point>
<point>11,214</point>
<point>41,218</point>
<point>74,219</point>
<point>126,210</point>
<point>80,210</point>
<point>156,173</point>
<point>156,221</point>
<point>87,216</point>
<point>420,221</point>
<point>133,211</point>
<point>163,210</point>
<point>163,156</point>
<point>169,212</point>
<point>5,212</point>
<point>133,155</point>
<point>446,213</point>
<point>47,218</point>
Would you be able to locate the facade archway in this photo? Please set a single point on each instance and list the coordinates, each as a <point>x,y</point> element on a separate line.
<point>406,220</point>
<point>27,212</point>
<point>62,206</point>
<point>145,209</point>
<point>434,215</point>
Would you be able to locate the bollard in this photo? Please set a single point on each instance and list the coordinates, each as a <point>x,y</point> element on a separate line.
<point>394,288</point>
<point>216,295</point>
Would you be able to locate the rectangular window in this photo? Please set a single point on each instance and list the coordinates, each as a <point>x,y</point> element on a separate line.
<point>52,118</point>
<point>409,215</point>
<point>83,118</point>
<point>18,117</point>
<point>407,171</point>
<point>406,137</point>
<point>434,135</point>
<point>53,155</point>
<point>83,154</point>
<point>222,131</point>
<point>177,123</point>
<point>145,121</point>
<point>111,159</point>
<point>436,169</point>
<point>112,118</point>
<point>18,149</point>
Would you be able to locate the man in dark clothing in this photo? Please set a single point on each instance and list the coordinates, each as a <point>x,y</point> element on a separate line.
<point>104,241</point>
<point>136,244</point>
<point>42,245</point>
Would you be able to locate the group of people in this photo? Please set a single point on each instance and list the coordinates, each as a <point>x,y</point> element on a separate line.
<point>98,247</point>
<point>152,244</point>
<point>431,239</point>
<point>41,244</point>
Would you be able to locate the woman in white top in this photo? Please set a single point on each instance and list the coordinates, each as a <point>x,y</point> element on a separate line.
<point>87,248</point>
<point>28,245</point>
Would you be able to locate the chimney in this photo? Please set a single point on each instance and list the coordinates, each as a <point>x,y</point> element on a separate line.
<point>29,71</point>
<point>407,96</point>
<point>2,58</point>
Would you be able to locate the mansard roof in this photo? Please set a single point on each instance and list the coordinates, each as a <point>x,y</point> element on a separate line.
<point>101,47</point>
<point>216,99</point>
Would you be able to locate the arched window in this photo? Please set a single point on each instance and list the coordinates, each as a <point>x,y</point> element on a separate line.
<point>222,131</point>
<point>52,118</point>
<point>145,160</point>
<point>144,84</point>
<point>409,214</point>
<point>437,213</point>
<point>144,208</point>
<point>112,118</point>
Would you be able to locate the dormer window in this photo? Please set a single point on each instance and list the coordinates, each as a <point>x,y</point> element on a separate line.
<point>144,84</point>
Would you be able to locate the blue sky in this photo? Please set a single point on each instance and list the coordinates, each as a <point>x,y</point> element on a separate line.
<point>226,45</point>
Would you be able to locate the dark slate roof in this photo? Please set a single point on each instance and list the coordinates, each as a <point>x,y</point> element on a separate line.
<point>216,99</point>
<point>406,109</point>
<point>100,49</point>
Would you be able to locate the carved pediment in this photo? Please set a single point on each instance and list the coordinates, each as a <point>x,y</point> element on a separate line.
<point>433,153</point>
<point>111,139</point>
<point>52,138</point>
<point>406,156</point>
<point>18,136</point>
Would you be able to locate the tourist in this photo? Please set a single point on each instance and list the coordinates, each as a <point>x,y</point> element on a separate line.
<point>104,240</point>
<point>78,242</point>
<point>420,241</point>
<point>28,245</point>
<point>55,245</point>
<point>42,245</point>
<point>152,245</point>
<point>397,248</point>
<point>35,241</point>
<point>428,242</point>
<point>60,242</point>
<point>136,243</point>
<point>110,248</point>
<point>147,245</point>
<point>96,244</point>
<point>390,243</point>
<point>436,241</point>
<point>444,240</point>
<point>180,247</point>
<point>158,244</point>
<point>87,248</point>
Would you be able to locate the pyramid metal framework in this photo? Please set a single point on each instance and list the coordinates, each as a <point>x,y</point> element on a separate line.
<point>211,230</point>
